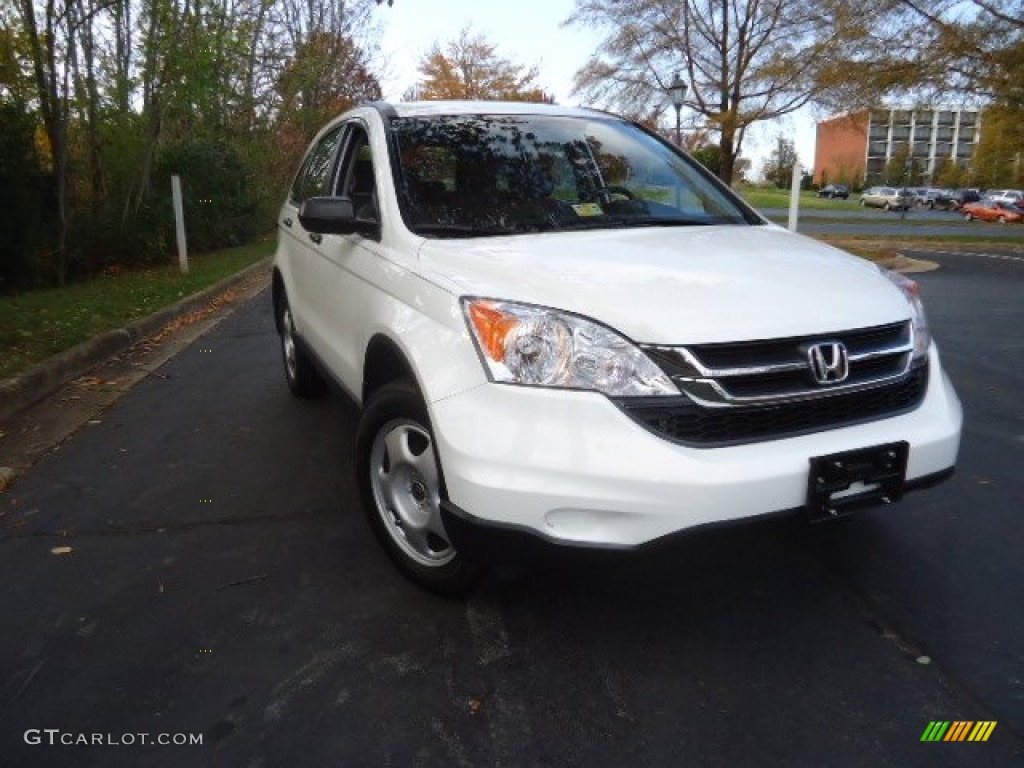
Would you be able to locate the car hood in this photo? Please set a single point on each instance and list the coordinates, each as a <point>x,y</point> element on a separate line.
<point>676,285</point>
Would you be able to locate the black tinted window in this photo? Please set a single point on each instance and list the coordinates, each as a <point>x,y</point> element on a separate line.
<point>315,177</point>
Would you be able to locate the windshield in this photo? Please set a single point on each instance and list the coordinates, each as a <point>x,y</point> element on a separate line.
<point>477,175</point>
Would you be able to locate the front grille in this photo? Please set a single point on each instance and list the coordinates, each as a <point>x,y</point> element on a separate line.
<point>775,370</point>
<point>684,421</point>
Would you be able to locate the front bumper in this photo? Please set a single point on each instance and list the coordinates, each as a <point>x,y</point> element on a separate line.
<point>572,468</point>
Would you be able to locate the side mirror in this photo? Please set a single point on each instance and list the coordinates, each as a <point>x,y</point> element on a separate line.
<point>334,216</point>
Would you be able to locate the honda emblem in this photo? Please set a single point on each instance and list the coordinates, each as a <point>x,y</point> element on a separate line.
<point>829,361</point>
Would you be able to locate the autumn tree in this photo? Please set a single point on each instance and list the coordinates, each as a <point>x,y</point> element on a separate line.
<point>924,50</point>
<point>328,74</point>
<point>902,169</point>
<point>119,93</point>
<point>978,45</point>
<point>949,174</point>
<point>745,61</point>
<point>778,168</point>
<point>974,46</point>
<point>999,154</point>
<point>469,67</point>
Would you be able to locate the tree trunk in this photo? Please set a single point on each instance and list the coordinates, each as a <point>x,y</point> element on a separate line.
<point>727,149</point>
<point>122,55</point>
<point>52,105</point>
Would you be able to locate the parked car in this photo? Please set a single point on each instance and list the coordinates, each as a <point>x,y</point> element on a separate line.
<point>963,196</point>
<point>918,193</point>
<point>936,198</point>
<point>1011,196</point>
<point>834,191</point>
<point>887,198</point>
<point>560,330</point>
<point>992,209</point>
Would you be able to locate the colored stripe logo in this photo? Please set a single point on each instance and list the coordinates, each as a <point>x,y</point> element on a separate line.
<point>958,730</point>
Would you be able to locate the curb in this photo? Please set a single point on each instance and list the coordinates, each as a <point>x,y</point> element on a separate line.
<point>36,382</point>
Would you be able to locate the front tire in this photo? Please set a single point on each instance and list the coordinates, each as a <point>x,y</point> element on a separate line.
<point>402,486</point>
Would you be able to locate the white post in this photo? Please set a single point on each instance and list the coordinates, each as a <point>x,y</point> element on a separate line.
<point>794,197</point>
<point>179,223</point>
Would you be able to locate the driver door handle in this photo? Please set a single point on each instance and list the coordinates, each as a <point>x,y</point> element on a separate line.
<point>287,222</point>
<point>316,238</point>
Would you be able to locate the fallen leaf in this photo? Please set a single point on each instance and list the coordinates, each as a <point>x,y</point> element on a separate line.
<point>6,477</point>
<point>61,551</point>
<point>475,705</point>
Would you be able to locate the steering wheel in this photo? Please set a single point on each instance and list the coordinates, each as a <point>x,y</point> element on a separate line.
<point>607,192</point>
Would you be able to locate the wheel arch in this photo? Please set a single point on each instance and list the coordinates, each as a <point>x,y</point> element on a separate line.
<point>383,363</point>
<point>277,293</point>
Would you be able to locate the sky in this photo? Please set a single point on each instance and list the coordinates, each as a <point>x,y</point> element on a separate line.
<point>531,33</point>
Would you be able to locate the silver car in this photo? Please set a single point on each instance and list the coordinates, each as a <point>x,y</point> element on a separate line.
<point>887,198</point>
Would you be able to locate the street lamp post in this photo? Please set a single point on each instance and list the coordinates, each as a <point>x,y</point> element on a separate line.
<point>677,92</point>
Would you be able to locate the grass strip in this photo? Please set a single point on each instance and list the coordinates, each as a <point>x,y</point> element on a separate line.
<point>762,197</point>
<point>39,324</point>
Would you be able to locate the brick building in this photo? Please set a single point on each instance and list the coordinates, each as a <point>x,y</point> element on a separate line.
<point>857,146</point>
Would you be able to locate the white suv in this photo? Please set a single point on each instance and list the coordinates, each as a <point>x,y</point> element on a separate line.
<point>559,328</point>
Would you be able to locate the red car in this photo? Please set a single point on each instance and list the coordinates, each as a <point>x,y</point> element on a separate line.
<point>992,210</point>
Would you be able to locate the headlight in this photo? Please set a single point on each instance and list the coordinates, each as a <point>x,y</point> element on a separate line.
<point>922,337</point>
<point>522,344</point>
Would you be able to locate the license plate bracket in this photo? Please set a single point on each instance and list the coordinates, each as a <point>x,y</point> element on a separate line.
<point>842,482</point>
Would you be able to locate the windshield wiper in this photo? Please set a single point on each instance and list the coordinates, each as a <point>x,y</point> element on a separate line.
<point>616,222</point>
<point>671,221</point>
<point>461,230</point>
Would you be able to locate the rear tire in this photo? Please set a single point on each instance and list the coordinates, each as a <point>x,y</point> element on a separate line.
<point>402,487</point>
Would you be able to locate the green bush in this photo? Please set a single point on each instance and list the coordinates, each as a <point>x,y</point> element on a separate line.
<point>218,190</point>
